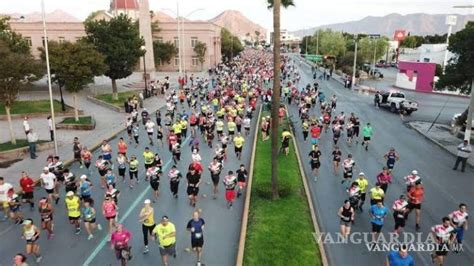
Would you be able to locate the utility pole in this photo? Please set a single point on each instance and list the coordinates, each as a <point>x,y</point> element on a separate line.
<point>317,42</point>
<point>355,64</point>
<point>179,39</point>
<point>450,21</point>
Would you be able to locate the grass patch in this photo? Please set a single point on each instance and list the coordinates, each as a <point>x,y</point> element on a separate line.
<point>83,120</point>
<point>122,97</point>
<point>279,232</point>
<point>32,107</point>
<point>20,143</point>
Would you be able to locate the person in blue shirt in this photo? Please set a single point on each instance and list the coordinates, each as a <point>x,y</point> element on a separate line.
<point>196,227</point>
<point>400,257</point>
<point>377,214</point>
<point>85,187</point>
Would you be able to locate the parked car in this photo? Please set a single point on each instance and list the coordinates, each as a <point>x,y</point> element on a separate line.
<point>398,103</point>
<point>382,63</point>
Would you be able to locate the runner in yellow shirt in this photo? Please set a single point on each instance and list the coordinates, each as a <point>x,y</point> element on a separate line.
<point>363,184</point>
<point>376,194</point>
<point>147,219</point>
<point>165,233</point>
<point>73,205</point>
<point>238,145</point>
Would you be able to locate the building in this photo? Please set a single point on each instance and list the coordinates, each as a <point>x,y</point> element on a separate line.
<point>427,53</point>
<point>63,27</point>
<point>287,40</point>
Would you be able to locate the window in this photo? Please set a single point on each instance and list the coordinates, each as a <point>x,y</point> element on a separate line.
<point>61,39</point>
<point>176,42</point>
<point>28,40</point>
<point>42,41</point>
<point>176,61</point>
<point>195,61</point>
<point>194,41</point>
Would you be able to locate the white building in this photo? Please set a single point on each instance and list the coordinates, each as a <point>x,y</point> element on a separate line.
<point>433,53</point>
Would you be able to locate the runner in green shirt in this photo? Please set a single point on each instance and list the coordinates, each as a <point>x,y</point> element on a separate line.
<point>367,133</point>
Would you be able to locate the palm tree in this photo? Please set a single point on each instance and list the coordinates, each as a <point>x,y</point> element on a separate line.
<point>276,5</point>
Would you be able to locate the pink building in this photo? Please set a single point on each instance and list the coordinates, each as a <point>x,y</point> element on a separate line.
<point>63,27</point>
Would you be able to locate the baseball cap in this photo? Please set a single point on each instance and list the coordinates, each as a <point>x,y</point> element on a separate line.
<point>46,169</point>
<point>27,222</point>
<point>70,194</point>
<point>362,173</point>
<point>83,177</point>
<point>164,218</point>
<point>147,201</point>
<point>414,172</point>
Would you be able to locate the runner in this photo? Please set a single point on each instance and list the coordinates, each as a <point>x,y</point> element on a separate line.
<point>147,219</point>
<point>122,165</point>
<point>136,134</point>
<point>376,194</point>
<point>400,257</point>
<point>367,133</point>
<point>148,157</point>
<point>109,210</point>
<point>193,179</point>
<point>15,213</point>
<point>27,185</point>
<point>314,160</point>
<point>6,189</point>
<point>86,157</point>
<point>412,179</point>
<point>459,221</point>
<point>346,214</point>
<point>85,187</point>
<point>415,198</point>
<point>215,167</point>
<point>348,167</point>
<point>230,182</point>
<point>48,182</point>
<point>31,234</point>
<point>19,260</point>
<point>362,183</point>
<point>176,151</point>
<point>444,234</point>
<point>165,233</point>
<point>377,214</point>
<point>73,205</point>
<point>400,209</point>
<point>122,147</point>
<point>46,213</point>
<point>89,214</point>
<point>196,227</point>
<point>336,159</point>
<point>241,179</point>
<point>174,176</point>
<point>150,128</point>
<point>384,178</point>
<point>107,152</point>
<point>76,149</point>
<point>119,240</point>
<point>238,145</point>
<point>154,175</point>
<point>391,156</point>
<point>133,171</point>
<point>102,166</point>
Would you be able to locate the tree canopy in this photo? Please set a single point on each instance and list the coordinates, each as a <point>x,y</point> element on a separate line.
<point>164,51</point>
<point>200,49</point>
<point>230,44</point>
<point>13,40</point>
<point>460,69</point>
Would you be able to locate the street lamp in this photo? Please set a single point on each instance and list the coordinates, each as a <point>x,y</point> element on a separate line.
<point>450,21</point>
<point>355,64</point>
<point>45,34</point>
<point>467,133</point>
<point>145,92</point>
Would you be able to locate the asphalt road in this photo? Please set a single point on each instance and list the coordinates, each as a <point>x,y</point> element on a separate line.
<point>444,188</point>
<point>222,225</point>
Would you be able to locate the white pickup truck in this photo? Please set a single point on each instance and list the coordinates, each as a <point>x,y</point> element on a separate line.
<point>397,102</point>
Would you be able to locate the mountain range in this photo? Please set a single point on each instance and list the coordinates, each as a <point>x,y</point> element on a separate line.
<point>239,25</point>
<point>416,24</point>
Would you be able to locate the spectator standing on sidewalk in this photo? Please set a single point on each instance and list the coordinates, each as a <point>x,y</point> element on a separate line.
<point>32,138</point>
<point>50,126</point>
<point>464,151</point>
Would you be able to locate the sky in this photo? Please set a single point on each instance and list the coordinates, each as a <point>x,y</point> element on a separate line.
<point>306,13</point>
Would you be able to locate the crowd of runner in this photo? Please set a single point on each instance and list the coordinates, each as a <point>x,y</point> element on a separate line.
<point>216,111</point>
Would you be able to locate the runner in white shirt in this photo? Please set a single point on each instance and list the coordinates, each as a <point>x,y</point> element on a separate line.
<point>195,156</point>
<point>444,234</point>
<point>4,190</point>
<point>150,128</point>
<point>246,123</point>
<point>400,210</point>
<point>48,182</point>
<point>411,179</point>
<point>459,221</point>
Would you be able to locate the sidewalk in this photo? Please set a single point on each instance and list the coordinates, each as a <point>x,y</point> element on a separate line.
<point>441,136</point>
<point>108,123</point>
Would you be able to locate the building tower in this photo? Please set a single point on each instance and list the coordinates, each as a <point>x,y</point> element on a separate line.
<point>145,32</point>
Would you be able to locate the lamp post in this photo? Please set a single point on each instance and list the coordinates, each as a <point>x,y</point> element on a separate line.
<point>450,21</point>
<point>467,133</point>
<point>45,34</point>
<point>145,92</point>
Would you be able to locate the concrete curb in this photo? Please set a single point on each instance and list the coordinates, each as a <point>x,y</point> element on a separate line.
<point>14,154</point>
<point>245,215</point>
<point>64,126</point>
<point>304,178</point>
<point>433,92</point>
<point>106,105</point>
<point>39,115</point>
<point>436,142</point>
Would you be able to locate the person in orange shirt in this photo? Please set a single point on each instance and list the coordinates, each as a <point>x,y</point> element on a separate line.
<point>122,147</point>
<point>415,198</point>
<point>281,113</point>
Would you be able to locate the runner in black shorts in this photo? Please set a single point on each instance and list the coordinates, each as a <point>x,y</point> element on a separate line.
<point>193,182</point>
<point>314,156</point>
<point>196,227</point>
<point>336,160</point>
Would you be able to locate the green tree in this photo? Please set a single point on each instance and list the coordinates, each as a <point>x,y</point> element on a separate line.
<point>276,6</point>
<point>75,65</point>
<point>230,44</point>
<point>15,41</point>
<point>164,51</point>
<point>17,71</point>
<point>119,41</point>
<point>459,72</point>
<point>412,41</point>
<point>200,49</point>
<point>368,46</point>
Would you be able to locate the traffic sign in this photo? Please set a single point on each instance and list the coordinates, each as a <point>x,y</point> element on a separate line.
<point>314,57</point>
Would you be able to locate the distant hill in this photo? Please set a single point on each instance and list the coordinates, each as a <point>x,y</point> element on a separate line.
<point>238,24</point>
<point>55,16</point>
<point>416,24</point>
